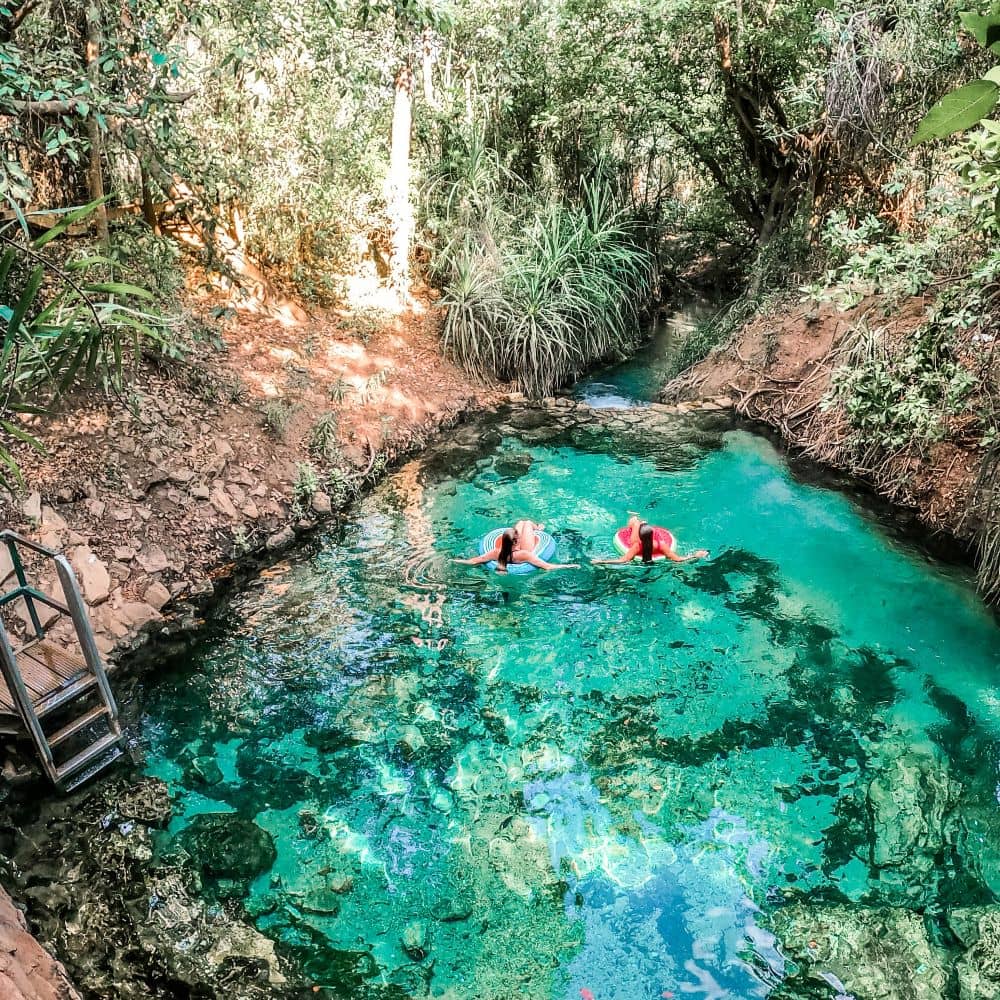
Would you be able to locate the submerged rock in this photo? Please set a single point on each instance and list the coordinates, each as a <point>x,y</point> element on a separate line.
<point>203,770</point>
<point>513,466</point>
<point>146,801</point>
<point>880,953</point>
<point>978,970</point>
<point>416,940</point>
<point>222,845</point>
<point>911,804</point>
<point>131,924</point>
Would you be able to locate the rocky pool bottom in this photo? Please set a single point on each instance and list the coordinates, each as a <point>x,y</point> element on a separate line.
<point>378,774</point>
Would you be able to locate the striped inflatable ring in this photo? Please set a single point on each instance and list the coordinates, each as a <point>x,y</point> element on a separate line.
<point>545,549</point>
<point>660,534</point>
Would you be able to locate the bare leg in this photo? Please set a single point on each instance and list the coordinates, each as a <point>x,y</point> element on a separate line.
<point>527,539</point>
<point>633,530</point>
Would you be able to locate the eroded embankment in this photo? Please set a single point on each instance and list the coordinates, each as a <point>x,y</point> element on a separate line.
<point>229,453</point>
<point>779,369</point>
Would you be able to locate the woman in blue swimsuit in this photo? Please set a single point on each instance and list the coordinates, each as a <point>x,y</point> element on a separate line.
<point>516,545</point>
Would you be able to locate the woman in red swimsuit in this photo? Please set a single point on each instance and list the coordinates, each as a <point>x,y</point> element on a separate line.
<point>648,540</point>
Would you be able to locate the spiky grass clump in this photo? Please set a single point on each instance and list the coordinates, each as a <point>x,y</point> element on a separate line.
<point>537,304</point>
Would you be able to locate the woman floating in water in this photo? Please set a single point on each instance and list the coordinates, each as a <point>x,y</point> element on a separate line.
<point>640,538</point>
<point>517,545</point>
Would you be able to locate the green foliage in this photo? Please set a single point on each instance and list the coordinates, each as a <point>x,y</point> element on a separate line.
<point>339,389</point>
<point>370,390</point>
<point>867,256</point>
<point>277,415</point>
<point>958,111</point>
<point>307,482</point>
<point>540,305</point>
<point>324,443</point>
<point>66,324</point>
<point>901,395</point>
<point>340,489</point>
<point>968,105</point>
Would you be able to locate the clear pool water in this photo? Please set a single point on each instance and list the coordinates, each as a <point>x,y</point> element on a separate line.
<point>640,378</point>
<point>637,782</point>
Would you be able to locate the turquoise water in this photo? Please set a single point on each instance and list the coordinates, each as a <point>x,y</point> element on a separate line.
<point>636,381</point>
<point>633,781</point>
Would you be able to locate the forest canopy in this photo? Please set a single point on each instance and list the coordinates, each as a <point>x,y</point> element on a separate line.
<point>553,167</point>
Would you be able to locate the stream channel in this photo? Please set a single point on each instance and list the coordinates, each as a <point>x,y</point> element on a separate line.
<point>771,773</point>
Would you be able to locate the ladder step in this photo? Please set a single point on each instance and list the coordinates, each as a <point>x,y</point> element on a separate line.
<point>94,769</point>
<point>53,701</point>
<point>76,725</point>
<point>84,757</point>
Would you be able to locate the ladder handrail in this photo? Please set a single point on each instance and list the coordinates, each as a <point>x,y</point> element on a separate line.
<point>78,612</point>
<point>75,608</point>
<point>15,683</point>
<point>9,536</point>
<point>38,595</point>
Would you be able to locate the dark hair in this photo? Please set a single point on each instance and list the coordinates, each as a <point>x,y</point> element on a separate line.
<point>646,538</point>
<point>506,549</point>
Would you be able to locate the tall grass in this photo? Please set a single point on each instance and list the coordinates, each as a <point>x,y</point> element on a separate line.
<point>535,296</point>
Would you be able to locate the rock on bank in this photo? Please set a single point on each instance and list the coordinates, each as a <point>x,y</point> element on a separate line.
<point>27,970</point>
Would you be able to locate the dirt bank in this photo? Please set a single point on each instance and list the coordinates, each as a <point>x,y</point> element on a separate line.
<point>232,450</point>
<point>778,369</point>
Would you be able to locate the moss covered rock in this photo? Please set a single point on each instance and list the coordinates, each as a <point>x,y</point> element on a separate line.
<point>978,970</point>
<point>881,953</point>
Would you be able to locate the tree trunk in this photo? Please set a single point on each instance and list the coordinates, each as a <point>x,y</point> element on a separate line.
<point>398,183</point>
<point>428,51</point>
<point>95,174</point>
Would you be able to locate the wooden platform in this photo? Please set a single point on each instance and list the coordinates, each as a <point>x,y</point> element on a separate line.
<point>52,674</point>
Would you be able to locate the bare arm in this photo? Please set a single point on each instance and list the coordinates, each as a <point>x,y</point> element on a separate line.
<point>674,557</point>
<point>632,552</point>
<point>478,560</point>
<point>530,557</point>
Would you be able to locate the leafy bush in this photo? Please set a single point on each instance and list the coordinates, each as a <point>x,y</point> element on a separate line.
<point>868,258</point>
<point>539,302</point>
<point>277,415</point>
<point>66,324</point>
<point>323,441</point>
<point>895,396</point>
<point>306,484</point>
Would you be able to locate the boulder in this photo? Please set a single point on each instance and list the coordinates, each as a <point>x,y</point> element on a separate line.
<point>227,846</point>
<point>978,970</point>
<point>416,940</point>
<point>911,803</point>
<point>223,504</point>
<point>321,504</point>
<point>53,521</point>
<point>147,800</point>
<point>138,613</point>
<point>153,559</point>
<point>95,581</point>
<point>32,508</point>
<point>281,538</point>
<point>156,595</point>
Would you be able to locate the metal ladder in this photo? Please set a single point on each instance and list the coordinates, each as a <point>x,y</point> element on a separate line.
<point>60,681</point>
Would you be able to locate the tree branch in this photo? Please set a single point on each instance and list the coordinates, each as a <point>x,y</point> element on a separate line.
<point>63,107</point>
<point>16,17</point>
